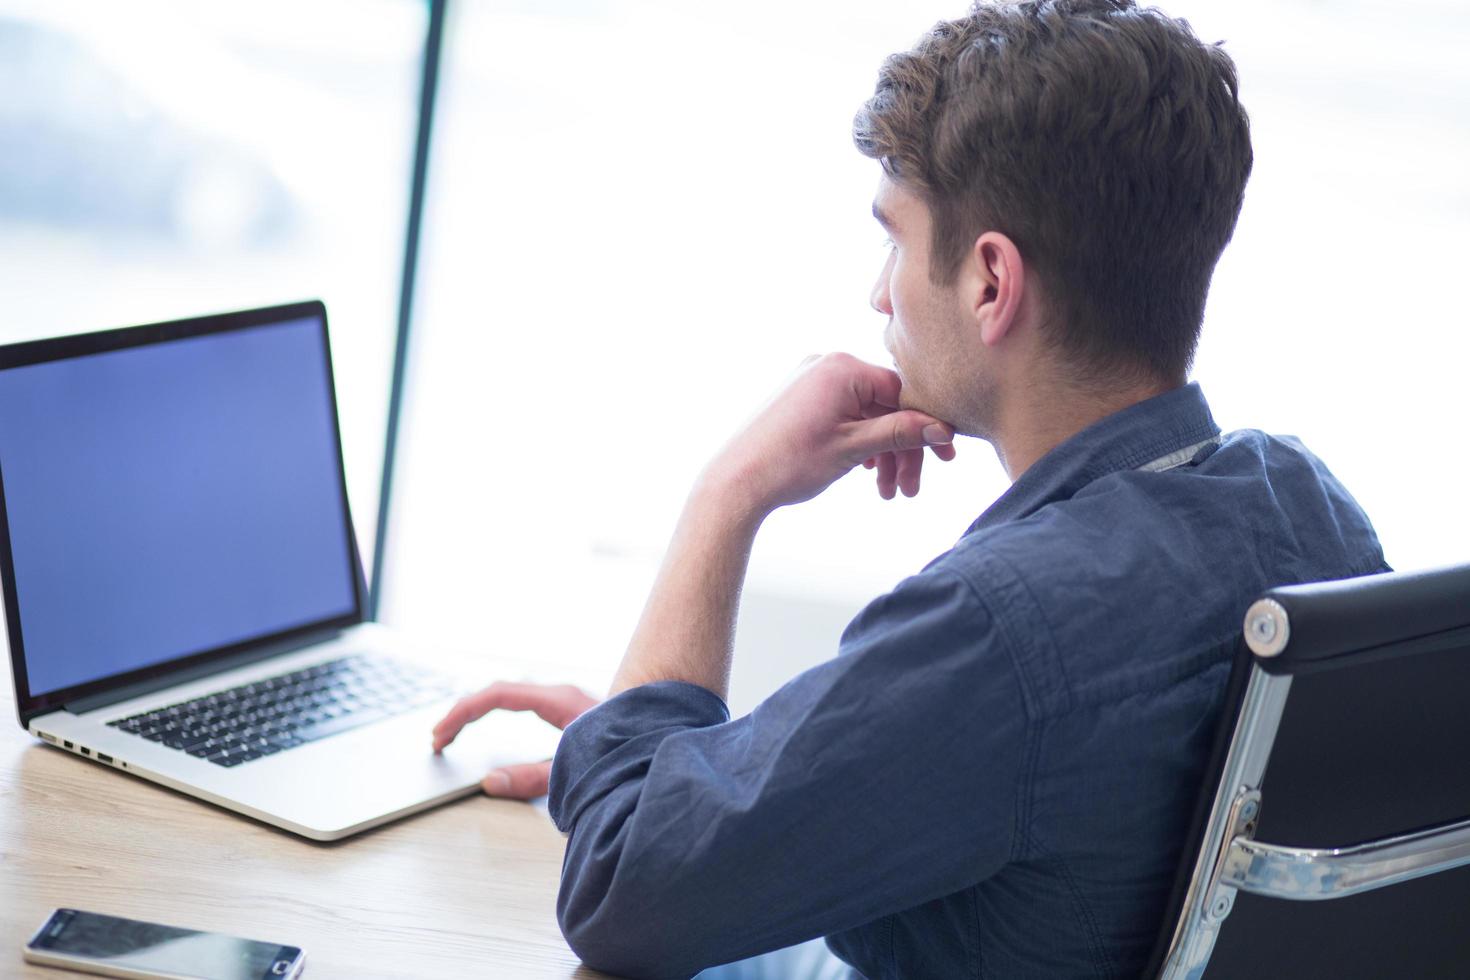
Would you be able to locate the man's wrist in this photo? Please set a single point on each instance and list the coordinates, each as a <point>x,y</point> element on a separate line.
<point>729,496</point>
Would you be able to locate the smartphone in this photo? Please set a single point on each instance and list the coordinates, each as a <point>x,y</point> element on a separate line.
<point>117,947</point>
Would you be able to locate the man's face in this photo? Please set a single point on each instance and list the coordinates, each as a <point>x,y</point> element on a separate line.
<point>929,334</point>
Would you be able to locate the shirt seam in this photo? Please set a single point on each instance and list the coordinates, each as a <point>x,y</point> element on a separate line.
<point>978,973</point>
<point>1021,832</point>
<point>1041,617</point>
<point>892,948</point>
<point>1100,952</point>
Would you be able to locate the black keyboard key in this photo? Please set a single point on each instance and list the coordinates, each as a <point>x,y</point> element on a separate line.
<point>334,726</point>
<point>210,746</point>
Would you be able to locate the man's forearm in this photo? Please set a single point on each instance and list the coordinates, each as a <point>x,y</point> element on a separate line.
<point>687,630</point>
<point>835,413</point>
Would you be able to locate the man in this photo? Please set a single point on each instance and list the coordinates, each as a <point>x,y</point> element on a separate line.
<point>993,776</point>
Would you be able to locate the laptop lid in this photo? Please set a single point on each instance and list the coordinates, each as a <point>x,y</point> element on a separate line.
<point>171,496</point>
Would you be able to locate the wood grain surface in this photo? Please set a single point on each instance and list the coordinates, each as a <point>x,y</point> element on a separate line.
<point>464,890</point>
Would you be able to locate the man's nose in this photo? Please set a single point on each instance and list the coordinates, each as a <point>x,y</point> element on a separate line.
<point>880,298</point>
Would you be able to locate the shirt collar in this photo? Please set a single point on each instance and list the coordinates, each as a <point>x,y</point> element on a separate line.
<point>1152,434</point>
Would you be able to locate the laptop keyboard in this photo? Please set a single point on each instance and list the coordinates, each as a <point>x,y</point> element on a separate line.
<point>278,713</point>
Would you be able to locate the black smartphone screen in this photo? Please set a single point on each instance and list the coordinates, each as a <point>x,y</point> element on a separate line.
<point>106,939</point>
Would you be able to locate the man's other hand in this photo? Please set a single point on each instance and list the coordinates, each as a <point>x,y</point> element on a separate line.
<point>558,704</point>
<point>837,412</point>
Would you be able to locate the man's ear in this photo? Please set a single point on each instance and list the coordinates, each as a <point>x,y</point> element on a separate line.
<point>999,281</point>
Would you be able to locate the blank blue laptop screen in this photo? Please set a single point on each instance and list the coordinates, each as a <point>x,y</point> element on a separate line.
<point>172,498</point>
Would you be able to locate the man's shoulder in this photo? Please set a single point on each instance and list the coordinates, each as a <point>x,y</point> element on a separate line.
<point>1255,492</point>
<point>1146,575</point>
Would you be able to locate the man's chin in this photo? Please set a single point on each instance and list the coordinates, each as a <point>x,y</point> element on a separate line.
<point>908,398</point>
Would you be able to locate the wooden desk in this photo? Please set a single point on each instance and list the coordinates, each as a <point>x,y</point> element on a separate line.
<point>465,890</point>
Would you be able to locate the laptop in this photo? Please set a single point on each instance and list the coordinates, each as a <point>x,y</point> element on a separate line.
<point>184,597</point>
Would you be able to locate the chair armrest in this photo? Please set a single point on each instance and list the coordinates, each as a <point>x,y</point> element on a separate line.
<point>1313,874</point>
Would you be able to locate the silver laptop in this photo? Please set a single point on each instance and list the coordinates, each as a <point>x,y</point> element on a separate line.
<point>183,593</point>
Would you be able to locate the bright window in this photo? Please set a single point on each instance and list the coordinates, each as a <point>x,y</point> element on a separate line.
<point>166,158</point>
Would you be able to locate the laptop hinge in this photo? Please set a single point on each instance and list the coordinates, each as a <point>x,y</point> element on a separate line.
<point>245,657</point>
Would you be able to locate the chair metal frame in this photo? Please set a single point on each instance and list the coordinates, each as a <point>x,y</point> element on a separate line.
<point>1230,860</point>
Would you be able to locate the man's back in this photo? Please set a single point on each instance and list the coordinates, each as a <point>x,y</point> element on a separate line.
<point>1121,591</point>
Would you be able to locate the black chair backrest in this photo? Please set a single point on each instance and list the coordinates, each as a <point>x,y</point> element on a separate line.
<point>1365,736</point>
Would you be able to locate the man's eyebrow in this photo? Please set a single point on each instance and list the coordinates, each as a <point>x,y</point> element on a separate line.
<point>884,219</point>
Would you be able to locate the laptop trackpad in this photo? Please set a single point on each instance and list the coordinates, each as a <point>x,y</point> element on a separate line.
<point>331,786</point>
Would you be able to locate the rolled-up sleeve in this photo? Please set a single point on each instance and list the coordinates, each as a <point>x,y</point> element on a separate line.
<point>882,779</point>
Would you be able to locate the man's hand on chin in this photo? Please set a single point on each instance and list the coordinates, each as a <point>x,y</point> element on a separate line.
<point>835,413</point>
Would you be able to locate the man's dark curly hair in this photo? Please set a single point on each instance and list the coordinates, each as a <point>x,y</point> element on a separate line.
<point>1106,140</point>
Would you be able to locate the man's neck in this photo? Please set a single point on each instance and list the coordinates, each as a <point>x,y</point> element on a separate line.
<point>1043,417</point>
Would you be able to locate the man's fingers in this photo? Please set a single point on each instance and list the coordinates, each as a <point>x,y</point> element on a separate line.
<point>894,433</point>
<point>559,705</point>
<point>873,385</point>
<point>887,470</point>
<point>944,451</point>
<point>523,782</point>
<point>910,462</point>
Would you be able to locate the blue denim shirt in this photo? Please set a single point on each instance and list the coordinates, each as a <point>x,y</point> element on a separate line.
<point>994,775</point>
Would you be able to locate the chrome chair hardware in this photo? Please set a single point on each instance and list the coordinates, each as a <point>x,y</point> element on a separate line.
<point>1312,874</point>
<point>1267,628</point>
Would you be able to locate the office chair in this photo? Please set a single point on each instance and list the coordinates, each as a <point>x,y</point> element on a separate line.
<point>1332,834</point>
